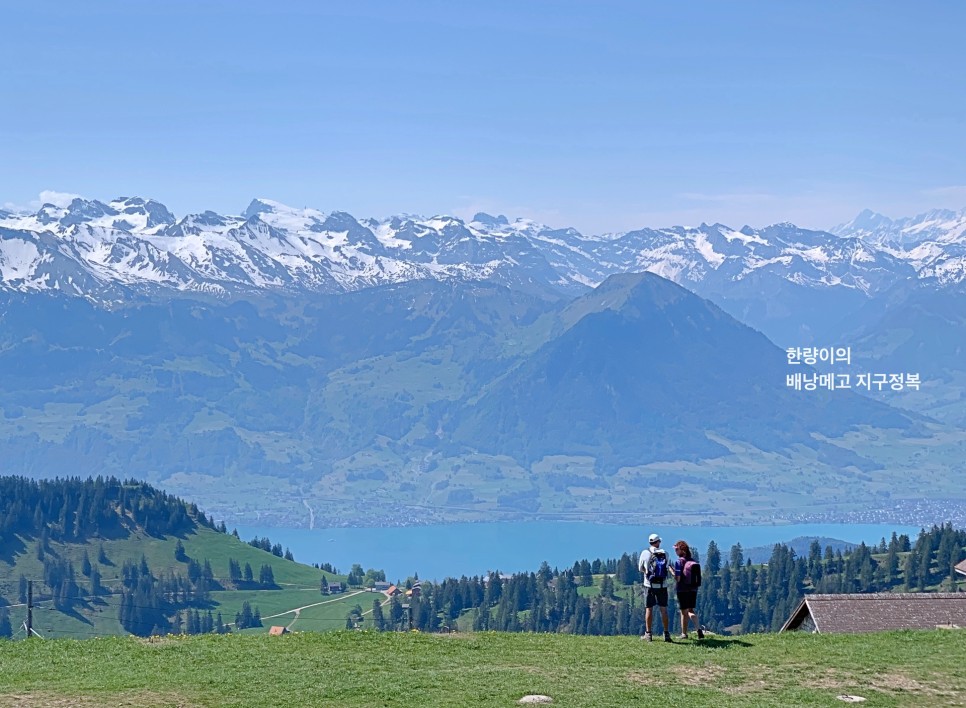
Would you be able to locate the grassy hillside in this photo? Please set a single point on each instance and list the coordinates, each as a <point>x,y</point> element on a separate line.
<point>199,544</point>
<point>490,669</point>
<point>91,548</point>
<point>298,584</point>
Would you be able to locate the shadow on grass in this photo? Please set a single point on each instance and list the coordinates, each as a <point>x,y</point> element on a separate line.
<point>71,611</point>
<point>11,547</point>
<point>718,643</point>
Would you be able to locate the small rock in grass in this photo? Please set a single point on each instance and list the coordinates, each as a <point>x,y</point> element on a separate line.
<point>536,698</point>
<point>851,699</point>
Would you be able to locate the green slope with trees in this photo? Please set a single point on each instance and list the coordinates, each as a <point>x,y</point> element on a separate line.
<point>106,556</point>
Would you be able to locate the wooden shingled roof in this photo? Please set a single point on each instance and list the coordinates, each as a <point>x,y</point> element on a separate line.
<point>876,612</point>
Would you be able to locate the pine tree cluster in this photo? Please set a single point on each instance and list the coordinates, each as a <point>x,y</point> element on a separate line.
<point>736,595</point>
<point>74,510</point>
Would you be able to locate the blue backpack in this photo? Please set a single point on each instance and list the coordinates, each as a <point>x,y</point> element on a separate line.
<point>657,567</point>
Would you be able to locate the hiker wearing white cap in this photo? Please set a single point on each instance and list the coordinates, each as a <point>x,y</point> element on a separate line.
<point>655,567</point>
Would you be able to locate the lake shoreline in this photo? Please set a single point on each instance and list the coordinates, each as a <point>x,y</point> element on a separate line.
<point>452,550</point>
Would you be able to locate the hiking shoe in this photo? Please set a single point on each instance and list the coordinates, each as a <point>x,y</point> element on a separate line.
<point>647,637</point>
<point>667,637</point>
<point>682,636</point>
<point>700,634</point>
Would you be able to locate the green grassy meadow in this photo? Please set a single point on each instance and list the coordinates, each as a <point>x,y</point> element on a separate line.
<point>488,669</point>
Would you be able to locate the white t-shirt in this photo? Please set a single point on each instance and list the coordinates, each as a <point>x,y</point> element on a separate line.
<point>642,566</point>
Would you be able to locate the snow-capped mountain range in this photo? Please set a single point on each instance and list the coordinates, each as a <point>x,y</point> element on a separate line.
<point>105,250</point>
<point>934,243</point>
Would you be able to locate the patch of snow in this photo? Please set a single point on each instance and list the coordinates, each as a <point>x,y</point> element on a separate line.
<point>666,269</point>
<point>815,255</point>
<point>18,258</point>
<point>294,220</point>
<point>862,255</point>
<point>704,247</point>
<point>387,237</point>
<point>744,238</point>
<point>584,280</point>
<point>438,223</point>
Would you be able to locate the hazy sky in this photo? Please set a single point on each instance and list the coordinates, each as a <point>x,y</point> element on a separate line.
<point>601,115</point>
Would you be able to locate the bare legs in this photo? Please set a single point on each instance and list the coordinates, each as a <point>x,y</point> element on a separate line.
<point>649,615</point>
<point>686,617</point>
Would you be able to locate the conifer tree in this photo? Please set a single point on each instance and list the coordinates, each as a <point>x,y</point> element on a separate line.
<point>378,619</point>
<point>6,631</point>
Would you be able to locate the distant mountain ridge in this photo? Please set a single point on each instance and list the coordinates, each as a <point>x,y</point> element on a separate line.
<point>789,282</point>
<point>435,400</point>
<point>139,243</point>
<point>365,369</point>
<point>934,242</point>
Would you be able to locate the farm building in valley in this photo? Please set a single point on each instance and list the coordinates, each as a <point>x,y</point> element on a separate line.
<point>878,612</point>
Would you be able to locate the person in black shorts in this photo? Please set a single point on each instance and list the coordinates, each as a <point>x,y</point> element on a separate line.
<point>686,587</point>
<point>655,590</point>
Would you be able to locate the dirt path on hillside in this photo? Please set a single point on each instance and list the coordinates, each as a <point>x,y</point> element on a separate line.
<point>298,610</point>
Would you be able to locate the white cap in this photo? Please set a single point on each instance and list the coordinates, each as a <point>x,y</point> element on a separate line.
<point>653,538</point>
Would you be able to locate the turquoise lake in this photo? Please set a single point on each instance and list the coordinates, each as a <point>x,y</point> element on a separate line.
<point>435,552</point>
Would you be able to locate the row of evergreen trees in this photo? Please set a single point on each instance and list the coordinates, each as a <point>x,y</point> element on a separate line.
<point>736,595</point>
<point>75,510</point>
<point>275,549</point>
<point>245,578</point>
<point>197,622</point>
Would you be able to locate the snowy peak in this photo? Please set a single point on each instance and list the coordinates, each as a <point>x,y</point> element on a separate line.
<point>82,210</point>
<point>261,206</point>
<point>50,214</point>
<point>142,214</point>
<point>485,219</point>
<point>941,225</point>
<point>130,214</point>
<point>934,242</point>
<point>284,217</point>
<point>866,222</point>
<point>106,249</point>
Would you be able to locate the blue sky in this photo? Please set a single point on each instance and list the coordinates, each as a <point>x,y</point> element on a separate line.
<point>601,115</point>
